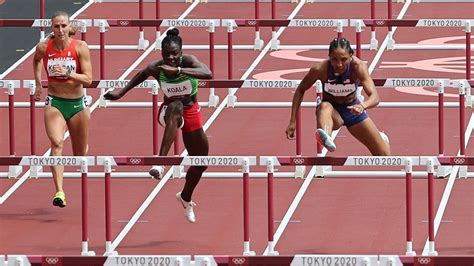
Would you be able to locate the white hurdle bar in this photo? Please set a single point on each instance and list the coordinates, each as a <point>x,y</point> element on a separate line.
<point>244,161</point>
<point>384,161</point>
<point>83,162</point>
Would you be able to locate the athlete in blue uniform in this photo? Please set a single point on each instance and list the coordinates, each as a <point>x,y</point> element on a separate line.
<point>341,74</point>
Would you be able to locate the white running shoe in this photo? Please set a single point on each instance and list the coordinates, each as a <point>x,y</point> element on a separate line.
<point>384,137</point>
<point>324,139</point>
<point>188,208</point>
<point>156,172</point>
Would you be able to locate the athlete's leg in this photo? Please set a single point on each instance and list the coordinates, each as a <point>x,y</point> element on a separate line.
<point>328,119</point>
<point>173,120</point>
<point>197,145</point>
<point>55,126</point>
<point>78,127</point>
<point>368,134</point>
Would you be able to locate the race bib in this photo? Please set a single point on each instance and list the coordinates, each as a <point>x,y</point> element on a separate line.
<point>176,89</point>
<point>339,89</point>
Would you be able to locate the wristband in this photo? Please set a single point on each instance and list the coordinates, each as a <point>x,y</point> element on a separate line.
<point>363,106</point>
<point>179,70</point>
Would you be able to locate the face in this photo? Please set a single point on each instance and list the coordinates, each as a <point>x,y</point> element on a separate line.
<point>171,54</point>
<point>339,59</point>
<point>61,27</point>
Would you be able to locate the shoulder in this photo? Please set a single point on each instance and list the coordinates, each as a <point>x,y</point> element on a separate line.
<point>358,64</point>
<point>81,44</point>
<point>153,67</point>
<point>189,59</point>
<point>42,46</point>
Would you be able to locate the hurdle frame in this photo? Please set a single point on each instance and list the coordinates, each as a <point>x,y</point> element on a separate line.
<point>244,161</point>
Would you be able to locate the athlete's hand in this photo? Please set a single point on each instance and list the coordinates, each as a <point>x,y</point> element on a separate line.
<point>169,70</point>
<point>60,71</point>
<point>290,131</point>
<point>357,109</point>
<point>38,89</point>
<point>113,95</point>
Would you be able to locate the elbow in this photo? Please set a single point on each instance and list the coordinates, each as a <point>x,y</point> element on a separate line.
<point>87,82</point>
<point>376,101</point>
<point>209,75</point>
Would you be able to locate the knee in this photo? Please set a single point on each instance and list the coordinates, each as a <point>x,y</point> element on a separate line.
<point>324,107</point>
<point>57,143</point>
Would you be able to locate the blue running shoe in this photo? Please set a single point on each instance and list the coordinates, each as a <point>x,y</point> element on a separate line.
<point>324,139</point>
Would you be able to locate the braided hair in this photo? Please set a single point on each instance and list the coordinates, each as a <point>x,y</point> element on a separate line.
<point>342,43</point>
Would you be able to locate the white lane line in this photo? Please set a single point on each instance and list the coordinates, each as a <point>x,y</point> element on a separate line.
<point>447,190</point>
<point>310,175</point>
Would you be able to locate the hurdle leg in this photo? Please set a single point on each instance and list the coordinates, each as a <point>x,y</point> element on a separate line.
<point>246,181</point>
<point>275,43</point>
<point>142,42</point>
<point>374,44</point>
<point>85,224</point>
<point>258,43</point>
<point>14,171</point>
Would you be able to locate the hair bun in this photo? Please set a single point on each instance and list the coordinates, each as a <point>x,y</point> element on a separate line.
<point>173,31</point>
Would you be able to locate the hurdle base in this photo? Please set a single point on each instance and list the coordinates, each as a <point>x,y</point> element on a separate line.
<point>443,171</point>
<point>374,44</point>
<point>390,42</point>
<point>14,171</point>
<point>213,100</point>
<point>275,44</point>
<point>143,44</point>
<point>177,170</point>
<point>300,171</point>
<point>321,171</point>
<point>35,170</point>
<point>231,100</point>
<point>463,171</point>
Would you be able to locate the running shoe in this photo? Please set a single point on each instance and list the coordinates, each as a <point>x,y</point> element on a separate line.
<point>156,172</point>
<point>324,139</point>
<point>59,199</point>
<point>188,208</point>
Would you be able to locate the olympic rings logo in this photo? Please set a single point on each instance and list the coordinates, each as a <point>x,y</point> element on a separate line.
<point>251,22</point>
<point>459,160</point>
<point>424,260</point>
<point>298,160</point>
<point>238,261</point>
<point>202,83</point>
<point>124,22</point>
<point>135,160</point>
<point>52,260</point>
<point>380,22</point>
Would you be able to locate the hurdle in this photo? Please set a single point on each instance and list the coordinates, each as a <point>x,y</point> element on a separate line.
<point>83,162</point>
<point>407,162</point>
<point>432,23</point>
<point>244,161</point>
<point>10,85</point>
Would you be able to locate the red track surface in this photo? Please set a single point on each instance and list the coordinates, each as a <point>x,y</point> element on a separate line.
<point>335,216</point>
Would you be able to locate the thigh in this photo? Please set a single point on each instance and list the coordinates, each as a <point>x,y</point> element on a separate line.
<point>54,123</point>
<point>78,127</point>
<point>368,134</point>
<point>196,142</point>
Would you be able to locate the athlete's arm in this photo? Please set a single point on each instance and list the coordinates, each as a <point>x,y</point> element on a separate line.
<point>308,81</point>
<point>85,78</point>
<point>37,66</point>
<point>367,83</point>
<point>195,68</point>
<point>141,76</point>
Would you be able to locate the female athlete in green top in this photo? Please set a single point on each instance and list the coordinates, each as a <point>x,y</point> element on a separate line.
<point>178,76</point>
